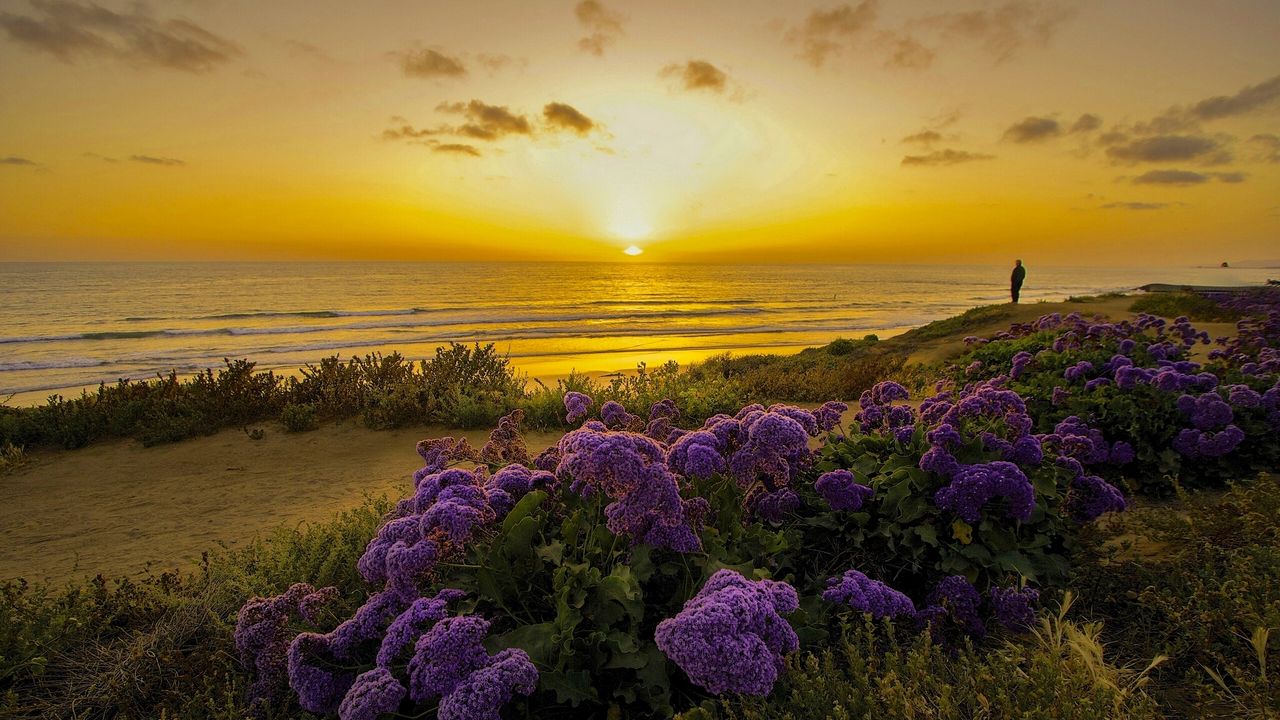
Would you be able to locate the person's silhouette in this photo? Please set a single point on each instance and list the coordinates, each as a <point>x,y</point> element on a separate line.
<point>1015,280</point>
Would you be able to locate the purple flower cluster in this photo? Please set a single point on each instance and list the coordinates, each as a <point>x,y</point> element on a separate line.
<point>1014,609</point>
<point>632,471</point>
<point>842,491</point>
<point>506,444</point>
<point>616,417</point>
<point>731,636</point>
<point>578,406</point>
<point>869,596</point>
<point>972,487</point>
<point>828,416</point>
<point>1213,433</point>
<point>445,511</point>
<point>961,602</point>
<point>451,663</point>
<point>877,413</point>
<point>262,635</point>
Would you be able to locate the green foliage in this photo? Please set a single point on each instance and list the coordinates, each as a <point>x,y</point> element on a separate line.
<point>871,672</point>
<point>299,417</point>
<point>905,536</point>
<point>1193,305</point>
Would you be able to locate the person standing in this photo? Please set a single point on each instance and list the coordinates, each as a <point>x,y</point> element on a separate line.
<point>1015,280</point>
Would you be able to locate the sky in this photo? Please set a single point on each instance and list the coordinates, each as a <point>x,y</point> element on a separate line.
<point>930,131</point>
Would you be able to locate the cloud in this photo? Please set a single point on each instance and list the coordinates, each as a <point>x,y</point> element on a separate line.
<point>487,122</point>
<point>70,32</point>
<point>153,160</point>
<point>1033,129</point>
<point>1268,147</point>
<point>430,63</point>
<point>1087,122</point>
<point>1246,100</point>
<point>924,137</point>
<point>944,157</point>
<point>1230,177</point>
<point>495,62</point>
<point>1169,148</point>
<point>827,33</point>
<point>297,48</point>
<point>603,24</point>
<point>1135,206</point>
<point>697,75</point>
<point>904,51</point>
<point>456,149</point>
<point>16,160</point>
<point>1171,177</point>
<point>1003,30</point>
<point>566,117</point>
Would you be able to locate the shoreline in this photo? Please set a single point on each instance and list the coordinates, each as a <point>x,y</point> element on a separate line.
<point>115,506</point>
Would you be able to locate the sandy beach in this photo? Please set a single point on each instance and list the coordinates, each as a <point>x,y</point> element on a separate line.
<point>116,506</point>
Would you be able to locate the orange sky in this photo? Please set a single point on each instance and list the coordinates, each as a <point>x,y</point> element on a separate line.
<point>1146,131</point>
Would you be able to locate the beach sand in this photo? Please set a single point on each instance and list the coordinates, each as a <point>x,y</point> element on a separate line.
<point>116,506</point>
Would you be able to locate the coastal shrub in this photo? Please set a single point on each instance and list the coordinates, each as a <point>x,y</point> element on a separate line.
<point>635,560</point>
<point>873,672</point>
<point>1194,306</point>
<point>299,417</point>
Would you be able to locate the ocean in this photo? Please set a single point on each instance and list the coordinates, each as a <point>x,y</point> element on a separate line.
<point>66,326</point>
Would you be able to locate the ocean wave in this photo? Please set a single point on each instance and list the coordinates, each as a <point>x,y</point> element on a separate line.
<point>488,319</point>
<point>58,364</point>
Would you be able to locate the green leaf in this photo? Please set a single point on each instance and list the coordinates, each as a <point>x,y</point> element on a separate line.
<point>1015,560</point>
<point>537,640</point>
<point>573,687</point>
<point>523,509</point>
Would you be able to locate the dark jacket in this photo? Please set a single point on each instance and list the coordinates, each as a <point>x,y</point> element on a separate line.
<point>1019,273</point>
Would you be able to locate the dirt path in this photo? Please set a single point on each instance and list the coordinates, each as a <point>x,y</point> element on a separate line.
<point>114,507</point>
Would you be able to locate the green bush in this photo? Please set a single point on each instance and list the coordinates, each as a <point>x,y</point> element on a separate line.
<point>299,417</point>
<point>1193,305</point>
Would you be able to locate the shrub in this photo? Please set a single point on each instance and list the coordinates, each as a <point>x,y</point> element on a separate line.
<point>1186,303</point>
<point>299,417</point>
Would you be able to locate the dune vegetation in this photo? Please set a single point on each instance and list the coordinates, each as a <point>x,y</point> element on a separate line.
<point>1070,518</point>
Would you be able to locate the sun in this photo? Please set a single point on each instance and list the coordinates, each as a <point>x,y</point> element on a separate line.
<point>632,250</point>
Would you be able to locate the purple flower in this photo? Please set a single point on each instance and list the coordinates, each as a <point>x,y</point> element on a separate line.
<point>1122,453</point>
<point>944,435</point>
<point>866,595</point>
<point>443,658</point>
<point>1020,361</point>
<point>937,460</point>
<point>697,454</point>
<point>1090,497</point>
<point>961,601</point>
<point>578,406</point>
<point>1014,609</point>
<point>828,416</point>
<point>1078,371</point>
<point>888,391</point>
<point>973,486</point>
<point>771,506</point>
<point>806,419</point>
<point>1243,396</point>
<point>505,444</point>
<point>366,625</point>
<point>319,682</point>
<point>731,636</point>
<point>374,692</point>
<point>483,693</point>
<point>841,491</point>
<point>1096,383</point>
<point>776,448</point>
<point>413,622</point>
<point>616,417</point>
